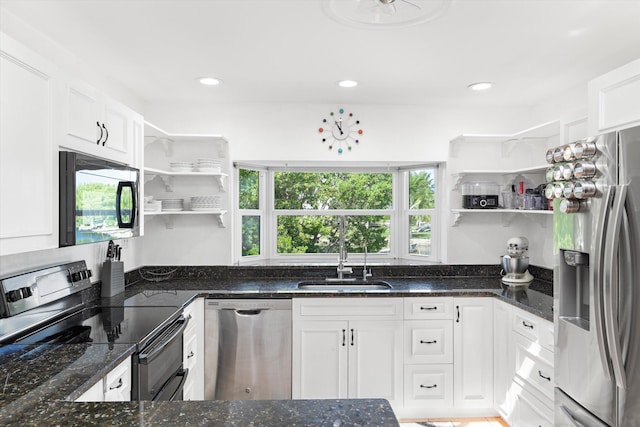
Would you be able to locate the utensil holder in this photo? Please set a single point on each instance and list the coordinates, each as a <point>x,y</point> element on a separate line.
<point>112,278</point>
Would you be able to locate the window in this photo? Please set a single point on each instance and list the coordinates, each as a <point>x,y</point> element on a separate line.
<point>422,203</point>
<point>249,208</point>
<point>308,205</point>
<point>299,211</point>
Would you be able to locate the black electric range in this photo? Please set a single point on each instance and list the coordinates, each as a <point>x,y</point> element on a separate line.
<point>102,325</point>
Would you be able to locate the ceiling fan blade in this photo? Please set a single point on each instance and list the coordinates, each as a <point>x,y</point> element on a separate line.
<point>412,4</point>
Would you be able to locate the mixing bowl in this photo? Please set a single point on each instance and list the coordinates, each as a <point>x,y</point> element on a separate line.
<point>516,265</point>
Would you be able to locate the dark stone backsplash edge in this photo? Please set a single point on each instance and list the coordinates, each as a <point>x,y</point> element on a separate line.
<point>223,272</point>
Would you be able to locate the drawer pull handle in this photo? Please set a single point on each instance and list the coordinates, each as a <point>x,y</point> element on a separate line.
<point>190,355</point>
<point>458,314</point>
<point>526,325</point>
<point>542,376</point>
<point>344,337</point>
<point>120,384</point>
<point>429,386</point>
<point>428,308</point>
<point>352,343</point>
<point>428,342</point>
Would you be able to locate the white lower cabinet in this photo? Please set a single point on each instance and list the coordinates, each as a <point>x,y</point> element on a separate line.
<point>347,348</point>
<point>193,351</point>
<point>428,386</point>
<point>114,387</point>
<point>503,361</point>
<point>523,348</point>
<point>473,353</point>
<point>428,356</point>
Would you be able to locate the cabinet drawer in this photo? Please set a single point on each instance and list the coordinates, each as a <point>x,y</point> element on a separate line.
<point>118,383</point>
<point>190,351</point>
<point>547,335</point>
<point>428,308</point>
<point>428,341</point>
<point>531,412</point>
<point>347,308</point>
<point>534,366</point>
<point>428,386</point>
<point>526,325</point>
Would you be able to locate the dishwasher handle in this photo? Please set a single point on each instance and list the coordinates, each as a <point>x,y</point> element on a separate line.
<point>250,312</point>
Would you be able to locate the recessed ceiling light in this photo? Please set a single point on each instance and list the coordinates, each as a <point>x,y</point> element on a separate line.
<point>209,81</point>
<point>347,83</point>
<point>480,86</point>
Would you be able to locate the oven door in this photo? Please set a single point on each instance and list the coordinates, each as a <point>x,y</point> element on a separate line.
<point>158,373</point>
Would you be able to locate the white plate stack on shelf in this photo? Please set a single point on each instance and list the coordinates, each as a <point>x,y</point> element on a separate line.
<point>181,166</point>
<point>209,165</point>
<point>205,203</point>
<point>172,205</point>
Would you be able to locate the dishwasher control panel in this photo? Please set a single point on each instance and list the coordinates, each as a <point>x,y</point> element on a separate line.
<point>249,304</point>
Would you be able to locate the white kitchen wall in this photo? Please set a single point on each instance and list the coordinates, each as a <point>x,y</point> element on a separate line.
<point>284,132</point>
<point>393,133</point>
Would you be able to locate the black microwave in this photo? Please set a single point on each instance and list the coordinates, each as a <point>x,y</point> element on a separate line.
<point>98,200</point>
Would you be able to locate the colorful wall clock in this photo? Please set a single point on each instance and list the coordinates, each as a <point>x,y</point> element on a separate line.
<point>340,130</point>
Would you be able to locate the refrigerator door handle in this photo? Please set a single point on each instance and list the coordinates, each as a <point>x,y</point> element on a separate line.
<point>611,286</point>
<point>599,279</point>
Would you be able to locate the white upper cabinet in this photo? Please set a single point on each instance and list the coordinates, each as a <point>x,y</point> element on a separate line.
<point>98,125</point>
<point>614,99</point>
<point>28,162</point>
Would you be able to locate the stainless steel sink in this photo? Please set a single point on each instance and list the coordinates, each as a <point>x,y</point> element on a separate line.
<point>344,285</point>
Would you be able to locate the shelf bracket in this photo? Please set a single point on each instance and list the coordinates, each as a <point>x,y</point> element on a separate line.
<point>167,143</point>
<point>168,182</point>
<point>221,220</point>
<point>458,178</point>
<point>221,182</point>
<point>148,177</point>
<point>455,218</point>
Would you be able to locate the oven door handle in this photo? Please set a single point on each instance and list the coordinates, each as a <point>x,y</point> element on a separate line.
<point>167,387</point>
<point>151,351</point>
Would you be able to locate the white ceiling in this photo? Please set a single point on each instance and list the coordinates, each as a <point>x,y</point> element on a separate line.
<point>292,51</point>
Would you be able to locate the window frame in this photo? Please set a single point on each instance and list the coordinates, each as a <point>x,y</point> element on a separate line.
<point>399,215</point>
<point>259,212</point>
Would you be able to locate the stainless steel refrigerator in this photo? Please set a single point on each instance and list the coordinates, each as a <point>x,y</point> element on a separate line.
<point>597,283</point>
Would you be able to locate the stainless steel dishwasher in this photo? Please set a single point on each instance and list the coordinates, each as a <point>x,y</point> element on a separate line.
<point>247,349</point>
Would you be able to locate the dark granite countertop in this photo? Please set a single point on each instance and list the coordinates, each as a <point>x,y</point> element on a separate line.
<point>35,374</point>
<point>265,413</point>
<point>537,299</point>
<point>41,382</point>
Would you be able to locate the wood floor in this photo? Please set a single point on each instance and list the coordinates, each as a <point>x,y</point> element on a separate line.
<point>455,422</point>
